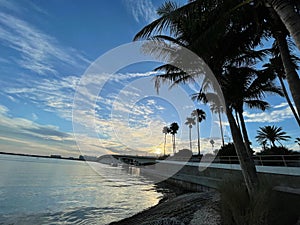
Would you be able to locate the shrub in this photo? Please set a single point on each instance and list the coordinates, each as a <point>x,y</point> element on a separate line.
<point>266,207</point>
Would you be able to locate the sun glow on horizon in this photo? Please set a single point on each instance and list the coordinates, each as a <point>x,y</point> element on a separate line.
<point>158,151</point>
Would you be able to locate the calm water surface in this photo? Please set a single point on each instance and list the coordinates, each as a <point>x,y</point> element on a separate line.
<point>53,191</point>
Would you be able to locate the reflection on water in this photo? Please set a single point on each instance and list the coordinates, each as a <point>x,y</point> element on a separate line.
<point>53,191</point>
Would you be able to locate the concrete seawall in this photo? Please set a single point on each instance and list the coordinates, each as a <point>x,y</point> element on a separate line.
<point>205,176</point>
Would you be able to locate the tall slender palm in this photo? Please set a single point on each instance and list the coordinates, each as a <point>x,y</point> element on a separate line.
<point>190,121</point>
<point>271,134</point>
<point>200,115</point>
<point>165,131</point>
<point>218,108</point>
<point>292,77</point>
<point>275,67</point>
<point>174,127</point>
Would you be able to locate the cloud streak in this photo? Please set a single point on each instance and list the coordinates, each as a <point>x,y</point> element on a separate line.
<point>279,113</point>
<point>142,10</point>
<point>36,50</point>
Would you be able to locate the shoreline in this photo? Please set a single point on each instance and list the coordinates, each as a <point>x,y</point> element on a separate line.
<point>179,205</point>
<point>194,208</point>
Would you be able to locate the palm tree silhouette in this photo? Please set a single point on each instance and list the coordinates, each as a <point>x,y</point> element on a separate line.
<point>200,115</point>
<point>250,87</point>
<point>271,134</point>
<point>275,68</point>
<point>174,127</point>
<point>165,130</point>
<point>218,108</point>
<point>190,121</point>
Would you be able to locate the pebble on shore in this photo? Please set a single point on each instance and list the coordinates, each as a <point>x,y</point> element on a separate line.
<point>199,208</point>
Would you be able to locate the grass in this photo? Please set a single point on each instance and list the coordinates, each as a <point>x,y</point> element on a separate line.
<point>266,207</point>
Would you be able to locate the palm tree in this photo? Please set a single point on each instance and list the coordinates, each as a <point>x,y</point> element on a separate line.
<point>165,131</point>
<point>200,115</point>
<point>292,77</point>
<point>250,86</point>
<point>192,26</point>
<point>190,121</point>
<point>288,11</point>
<point>275,67</point>
<point>174,127</point>
<point>217,108</point>
<point>271,134</point>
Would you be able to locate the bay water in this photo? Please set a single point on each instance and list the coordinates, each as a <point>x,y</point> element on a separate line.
<point>55,191</point>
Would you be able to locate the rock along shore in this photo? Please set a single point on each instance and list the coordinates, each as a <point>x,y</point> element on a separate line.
<point>200,208</point>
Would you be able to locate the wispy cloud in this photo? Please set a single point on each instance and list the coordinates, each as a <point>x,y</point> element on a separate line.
<point>21,135</point>
<point>281,105</point>
<point>10,5</point>
<point>142,10</point>
<point>36,50</point>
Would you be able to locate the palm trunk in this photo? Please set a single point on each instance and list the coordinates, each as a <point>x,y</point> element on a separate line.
<point>165,144</point>
<point>289,100</point>
<point>173,143</point>
<point>246,162</point>
<point>291,74</point>
<point>245,133</point>
<point>273,144</point>
<point>174,146</point>
<point>198,136</point>
<point>221,128</point>
<point>237,120</point>
<point>190,139</point>
<point>290,18</point>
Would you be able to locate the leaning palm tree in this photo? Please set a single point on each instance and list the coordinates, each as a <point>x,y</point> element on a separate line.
<point>165,131</point>
<point>174,127</point>
<point>280,35</point>
<point>200,115</point>
<point>289,14</point>
<point>275,67</point>
<point>194,26</point>
<point>271,134</point>
<point>190,121</point>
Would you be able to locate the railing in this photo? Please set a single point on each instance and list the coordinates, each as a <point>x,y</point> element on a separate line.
<point>263,160</point>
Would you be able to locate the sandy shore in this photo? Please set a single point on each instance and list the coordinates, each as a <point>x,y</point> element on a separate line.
<point>200,208</point>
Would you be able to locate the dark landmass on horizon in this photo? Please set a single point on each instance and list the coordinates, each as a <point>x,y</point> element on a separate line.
<point>80,158</point>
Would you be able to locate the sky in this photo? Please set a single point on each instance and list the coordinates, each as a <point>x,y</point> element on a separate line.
<point>47,53</point>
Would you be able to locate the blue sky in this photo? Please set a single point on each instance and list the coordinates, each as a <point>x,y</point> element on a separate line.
<point>46,48</point>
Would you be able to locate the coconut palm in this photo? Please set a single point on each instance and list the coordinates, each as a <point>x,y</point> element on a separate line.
<point>275,67</point>
<point>250,87</point>
<point>200,115</point>
<point>271,134</point>
<point>288,11</point>
<point>280,34</point>
<point>165,131</point>
<point>191,27</point>
<point>174,127</point>
<point>190,121</point>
